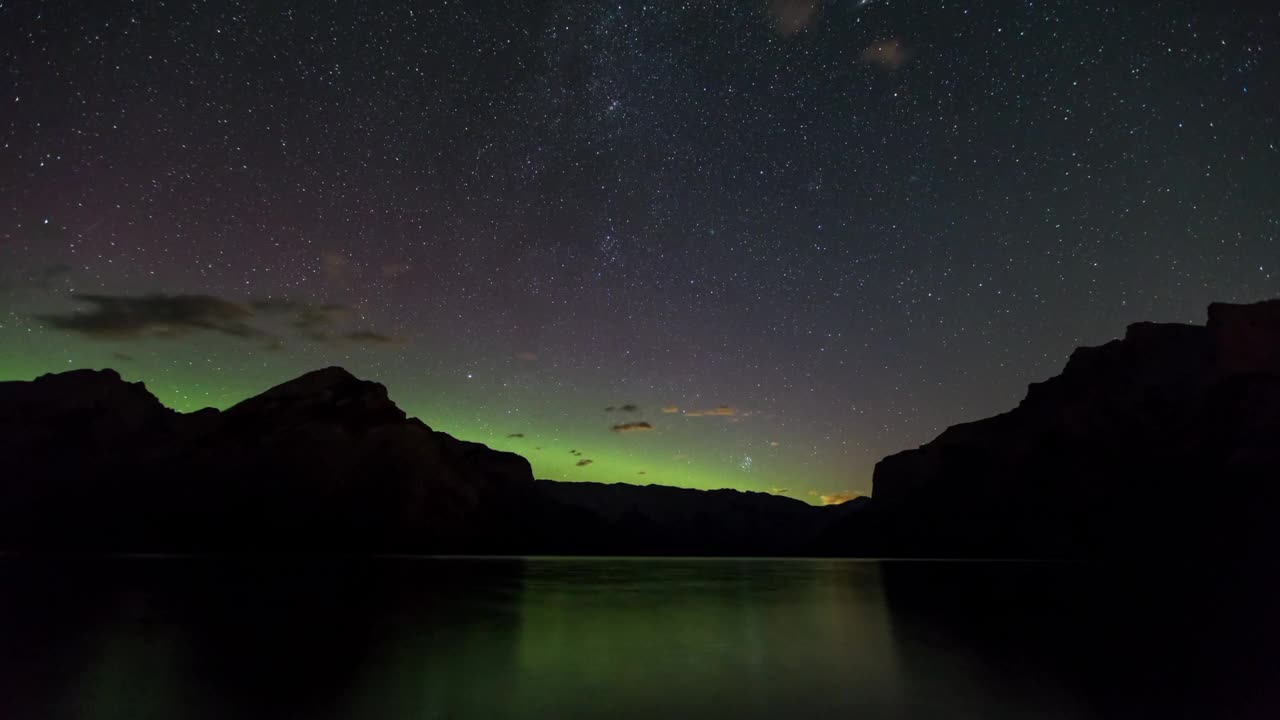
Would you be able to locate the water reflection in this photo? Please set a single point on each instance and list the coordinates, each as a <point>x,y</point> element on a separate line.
<point>541,638</point>
<point>661,638</point>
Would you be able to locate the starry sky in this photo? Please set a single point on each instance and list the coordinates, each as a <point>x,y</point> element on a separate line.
<point>704,243</point>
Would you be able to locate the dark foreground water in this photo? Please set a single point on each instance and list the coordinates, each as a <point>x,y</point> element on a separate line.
<point>131,639</point>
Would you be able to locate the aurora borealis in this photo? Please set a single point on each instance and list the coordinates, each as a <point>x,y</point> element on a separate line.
<point>711,244</point>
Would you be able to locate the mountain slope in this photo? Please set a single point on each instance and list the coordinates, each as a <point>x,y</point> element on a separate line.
<point>1167,441</point>
<point>326,462</point>
<point>1164,443</point>
<point>323,461</point>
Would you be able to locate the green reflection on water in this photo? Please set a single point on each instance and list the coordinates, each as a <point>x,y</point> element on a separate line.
<point>510,638</point>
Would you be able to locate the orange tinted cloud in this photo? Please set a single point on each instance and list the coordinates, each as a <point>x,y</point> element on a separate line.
<point>670,409</point>
<point>839,498</point>
<point>722,411</point>
<point>632,427</point>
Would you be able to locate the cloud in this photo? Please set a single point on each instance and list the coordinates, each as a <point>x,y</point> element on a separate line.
<point>320,322</point>
<point>722,411</point>
<point>632,427</point>
<point>113,317</point>
<point>125,317</point>
<point>628,407</point>
<point>838,498</point>
<point>122,357</point>
<point>44,278</point>
<point>369,337</point>
<point>52,273</point>
<point>888,54</point>
<point>774,443</point>
<point>270,305</point>
<point>55,270</point>
<point>792,16</point>
<point>314,322</point>
<point>641,472</point>
<point>670,409</point>
<point>583,462</point>
<point>575,453</point>
<point>527,356</point>
<point>516,435</point>
<point>779,491</point>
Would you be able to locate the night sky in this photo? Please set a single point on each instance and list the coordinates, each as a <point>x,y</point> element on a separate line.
<point>713,244</point>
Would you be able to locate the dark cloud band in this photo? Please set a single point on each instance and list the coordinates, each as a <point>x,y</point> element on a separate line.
<point>632,427</point>
<point>124,317</point>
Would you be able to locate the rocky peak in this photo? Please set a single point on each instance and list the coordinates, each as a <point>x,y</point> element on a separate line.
<point>1165,423</point>
<point>324,460</point>
<point>85,393</point>
<point>331,393</point>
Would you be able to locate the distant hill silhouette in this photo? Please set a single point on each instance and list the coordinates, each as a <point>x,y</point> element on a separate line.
<point>325,462</point>
<point>1165,441</point>
<point>663,520</point>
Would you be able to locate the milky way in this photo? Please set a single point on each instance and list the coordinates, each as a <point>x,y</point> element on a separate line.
<point>789,237</point>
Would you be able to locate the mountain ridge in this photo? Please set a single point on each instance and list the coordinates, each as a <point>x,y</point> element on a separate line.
<point>325,461</point>
<point>1165,440</point>
<point>1137,441</point>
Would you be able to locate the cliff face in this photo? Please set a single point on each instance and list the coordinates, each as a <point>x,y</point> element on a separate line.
<point>323,461</point>
<point>1167,440</point>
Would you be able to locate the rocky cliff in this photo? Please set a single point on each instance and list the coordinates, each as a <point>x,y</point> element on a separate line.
<point>1165,441</point>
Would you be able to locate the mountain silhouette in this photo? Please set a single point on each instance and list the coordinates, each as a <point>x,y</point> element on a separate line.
<point>664,520</point>
<point>325,462</point>
<point>1166,441</point>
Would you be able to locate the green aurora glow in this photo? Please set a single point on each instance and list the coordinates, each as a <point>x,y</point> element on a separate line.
<point>498,401</point>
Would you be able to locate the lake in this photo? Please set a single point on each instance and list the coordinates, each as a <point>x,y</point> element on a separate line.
<point>617,638</point>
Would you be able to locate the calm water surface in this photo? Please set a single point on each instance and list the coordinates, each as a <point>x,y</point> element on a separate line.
<point>567,638</point>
